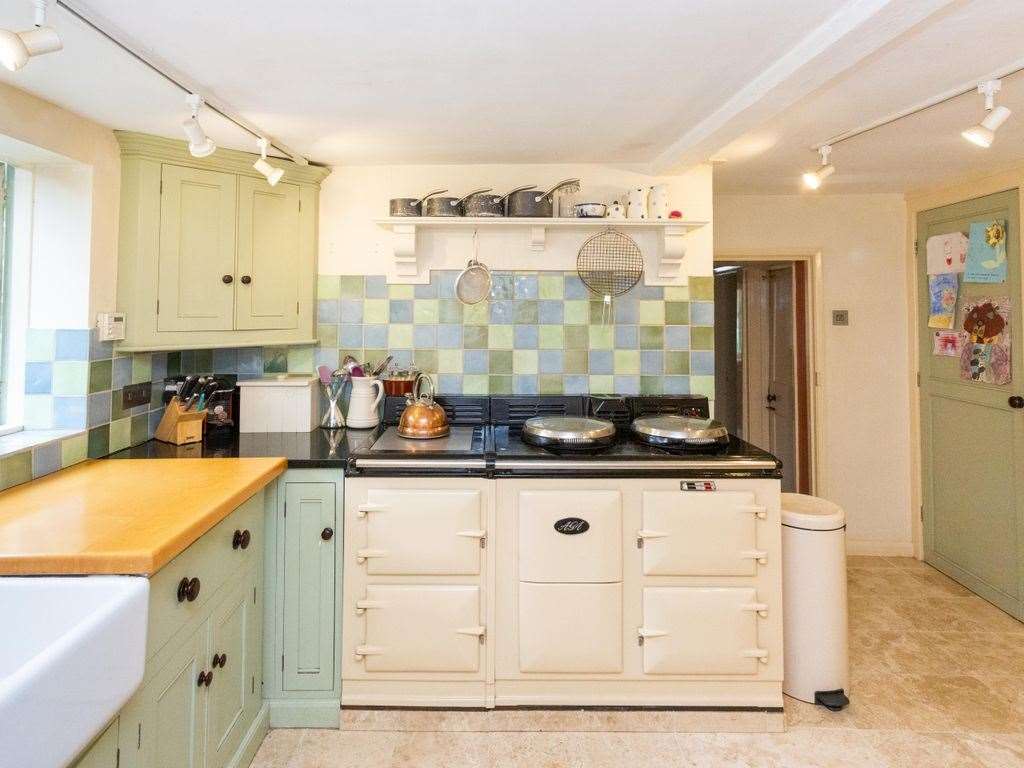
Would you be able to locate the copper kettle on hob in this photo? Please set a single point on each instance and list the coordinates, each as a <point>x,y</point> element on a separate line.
<point>423,418</point>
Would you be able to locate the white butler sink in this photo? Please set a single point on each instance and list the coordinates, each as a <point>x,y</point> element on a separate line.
<point>72,651</point>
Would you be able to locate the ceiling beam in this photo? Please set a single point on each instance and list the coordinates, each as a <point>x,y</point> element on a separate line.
<point>858,30</point>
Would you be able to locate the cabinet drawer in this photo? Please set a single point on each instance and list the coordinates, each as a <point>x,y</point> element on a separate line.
<point>435,628</point>
<point>555,547</point>
<point>212,559</point>
<point>570,628</point>
<point>699,534</point>
<point>422,532</point>
<point>701,631</point>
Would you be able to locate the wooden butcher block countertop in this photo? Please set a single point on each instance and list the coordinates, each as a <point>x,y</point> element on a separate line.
<point>121,517</point>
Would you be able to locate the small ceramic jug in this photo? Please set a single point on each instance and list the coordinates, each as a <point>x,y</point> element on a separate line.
<point>657,202</point>
<point>636,203</point>
<point>367,393</point>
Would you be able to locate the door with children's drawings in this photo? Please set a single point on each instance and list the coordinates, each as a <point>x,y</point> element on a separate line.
<point>972,383</point>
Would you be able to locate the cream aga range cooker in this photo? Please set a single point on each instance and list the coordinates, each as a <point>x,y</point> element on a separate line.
<point>507,565</point>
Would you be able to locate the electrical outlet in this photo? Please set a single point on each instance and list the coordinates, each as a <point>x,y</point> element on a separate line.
<point>840,317</point>
<point>135,395</point>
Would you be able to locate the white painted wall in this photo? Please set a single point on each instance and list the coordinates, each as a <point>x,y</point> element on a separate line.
<point>867,408</point>
<point>353,196</point>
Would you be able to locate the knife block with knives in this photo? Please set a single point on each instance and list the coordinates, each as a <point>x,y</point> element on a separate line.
<point>180,425</point>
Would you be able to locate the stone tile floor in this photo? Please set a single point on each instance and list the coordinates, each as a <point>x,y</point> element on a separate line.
<point>937,680</point>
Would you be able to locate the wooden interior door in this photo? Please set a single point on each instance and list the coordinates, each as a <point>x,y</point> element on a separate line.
<point>780,398</point>
<point>972,438</point>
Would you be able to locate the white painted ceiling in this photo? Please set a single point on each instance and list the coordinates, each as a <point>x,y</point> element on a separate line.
<point>659,83</point>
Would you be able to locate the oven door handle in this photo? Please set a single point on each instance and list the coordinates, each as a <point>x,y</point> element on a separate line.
<point>368,650</point>
<point>756,510</point>
<point>363,509</point>
<point>362,555</point>
<point>755,554</point>
<point>363,605</point>
<point>760,608</point>
<point>756,653</point>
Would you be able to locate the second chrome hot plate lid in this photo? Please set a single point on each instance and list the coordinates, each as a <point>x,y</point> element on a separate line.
<point>670,428</point>
<point>567,430</point>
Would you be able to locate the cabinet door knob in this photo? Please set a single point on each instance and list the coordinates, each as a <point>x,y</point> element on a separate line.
<point>246,538</point>
<point>246,279</point>
<point>1016,401</point>
<point>220,659</point>
<point>183,590</point>
<point>327,534</point>
<point>193,589</point>
<point>227,279</point>
<point>236,539</point>
<point>204,679</point>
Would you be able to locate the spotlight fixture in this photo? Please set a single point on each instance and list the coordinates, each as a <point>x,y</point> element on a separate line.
<point>813,179</point>
<point>16,48</point>
<point>199,144</point>
<point>984,133</point>
<point>272,174</point>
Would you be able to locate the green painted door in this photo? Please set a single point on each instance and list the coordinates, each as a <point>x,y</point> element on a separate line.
<point>308,589</point>
<point>197,250</point>
<point>972,450</point>
<point>267,290</point>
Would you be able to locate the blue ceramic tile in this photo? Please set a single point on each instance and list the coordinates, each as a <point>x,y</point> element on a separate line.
<point>328,311</point>
<point>649,291</point>
<point>401,310</point>
<point>99,350</point>
<point>677,337</point>
<point>502,312</point>
<point>575,289</point>
<point>154,421</point>
<point>158,366</point>
<point>526,286</point>
<point>449,384</point>
<point>575,385</point>
<point>72,344</point>
<point>677,385</point>
<point>324,356</point>
<point>449,336</point>
<point>250,360</point>
<point>627,385</point>
<point>551,361</point>
<point>45,458</point>
<point>625,312</point>
<point>224,361</point>
<point>351,311</point>
<point>626,337</point>
<point>652,362</point>
<point>702,313</point>
<point>601,361</point>
<point>188,361</point>
<point>376,287</point>
<point>69,412</point>
<point>445,284</point>
<point>426,291</point>
<point>550,312</point>
<point>702,363</point>
<point>98,409</point>
<point>375,336</point>
<point>351,337</point>
<point>121,371</point>
<point>38,378</point>
<point>502,286</point>
<point>401,358</point>
<point>424,336</point>
<point>525,385</point>
<point>475,361</point>
<point>525,337</point>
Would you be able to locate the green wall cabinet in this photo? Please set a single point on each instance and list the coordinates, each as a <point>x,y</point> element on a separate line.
<point>209,254</point>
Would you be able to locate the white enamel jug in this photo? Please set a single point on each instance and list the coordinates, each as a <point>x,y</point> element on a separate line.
<point>636,203</point>
<point>367,393</point>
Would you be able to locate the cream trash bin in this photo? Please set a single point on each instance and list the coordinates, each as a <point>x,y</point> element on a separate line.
<point>817,668</point>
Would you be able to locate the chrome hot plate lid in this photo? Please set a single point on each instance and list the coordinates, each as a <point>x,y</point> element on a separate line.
<point>567,431</point>
<point>681,430</point>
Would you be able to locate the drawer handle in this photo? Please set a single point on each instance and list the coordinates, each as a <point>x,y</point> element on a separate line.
<point>646,534</point>
<point>363,554</point>
<point>481,535</point>
<point>363,605</point>
<point>761,513</point>
<point>219,660</point>
<point>756,653</point>
<point>755,554</point>
<point>478,632</point>
<point>188,589</point>
<point>327,534</point>
<point>362,509</point>
<point>642,634</point>
<point>760,608</point>
<point>368,650</point>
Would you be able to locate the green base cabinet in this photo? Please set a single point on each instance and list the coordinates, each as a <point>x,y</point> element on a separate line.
<point>103,752</point>
<point>303,584</point>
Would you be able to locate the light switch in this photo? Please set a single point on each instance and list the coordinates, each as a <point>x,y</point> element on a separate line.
<point>840,317</point>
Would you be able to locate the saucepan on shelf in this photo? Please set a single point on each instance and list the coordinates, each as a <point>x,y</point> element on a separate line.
<point>410,206</point>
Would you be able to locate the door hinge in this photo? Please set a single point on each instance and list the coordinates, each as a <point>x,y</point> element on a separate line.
<point>253,688</point>
<point>161,186</point>
<point>918,379</point>
<point>138,743</point>
<point>296,307</point>
<point>922,513</point>
<point>286,509</point>
<point>158,306</point>
<point>282,662</point>
<point>917,252</point>
<point>117,758</point>
<point>300,205</point>
<point>254,595</point>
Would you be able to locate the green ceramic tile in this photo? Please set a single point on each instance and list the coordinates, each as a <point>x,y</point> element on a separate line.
<point>375,311</point>
<point>575,361</point>
<point>425,311</point>
<point>702,289</point>
<point>371,355</point>
<point>551,286</point>
<point>651,385</point>
<point>203,362</point>
<point>99,375</point>
<point>140,429</point>
<point>328,286</point>
<point>98,444</point>
<point>40,345</point>
<point>500,385</point>
<point>500,361</point>
<point>275,360</point>
<point>327,335</point>
<point>677,313</point>
<point>70,377</point>
<point>117,410</point>
<point>551,384</point>
<point>551,336</point>
<point>449,361</point>
<point>449,311</point>
<point>300,359</point>
<point>142,367</point>
<point>652,313</point>
<point>702,385</point>
<point>474,337</point>
<point>677,363</point>
<point>16,469</point>
<point>526,312</point>
<point>475,384</point>
<point>351,287</point>
<point>524,361</point>
<point>627,361</point>
<point>652,337</point>
<point>577,312</point>
<point>500,337</point>
<point>400,336</point>
<point>602,385</point>
<point>601,337</point>
<point>120,434</point>
<point>476,314</point>
<point>677,293</point>
<point>358,354</point>
<point>400,292</point>
<point>425,360</point>
<point>74,449</point>
<point>576,337</point>
<point>702,337</point>
<point>600,313</point>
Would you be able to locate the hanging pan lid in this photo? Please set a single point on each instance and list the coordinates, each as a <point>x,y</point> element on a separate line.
<point>682,430</point>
